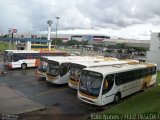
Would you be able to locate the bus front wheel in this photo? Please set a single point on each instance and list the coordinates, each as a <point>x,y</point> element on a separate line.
<point>117,98</point>
<point>24,66</point>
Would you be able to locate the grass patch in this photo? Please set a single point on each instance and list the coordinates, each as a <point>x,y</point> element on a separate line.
<point>147,102</point>
<point>5,46</point>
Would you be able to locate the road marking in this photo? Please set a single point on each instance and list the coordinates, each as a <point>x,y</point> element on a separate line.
<point>46,92</point>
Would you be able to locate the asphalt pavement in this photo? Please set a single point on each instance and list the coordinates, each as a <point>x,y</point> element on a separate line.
<point>59,101</point>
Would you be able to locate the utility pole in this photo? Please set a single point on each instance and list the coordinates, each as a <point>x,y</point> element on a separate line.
<point>56,29</point>
<point>49,22</point>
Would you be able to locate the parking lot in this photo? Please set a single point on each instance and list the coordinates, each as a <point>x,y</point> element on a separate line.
<point>58,101</point>
<point>21,93</point>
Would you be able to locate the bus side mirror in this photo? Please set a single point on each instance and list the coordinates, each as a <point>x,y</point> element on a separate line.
<point>106,84</point>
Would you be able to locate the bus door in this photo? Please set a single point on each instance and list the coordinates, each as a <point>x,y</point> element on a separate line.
<point>64,72</point>
<point>108,90</point>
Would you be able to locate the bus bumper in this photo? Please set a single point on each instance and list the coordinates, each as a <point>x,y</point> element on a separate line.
<point>73,84</point>
<point>51,79</point>
<point>41,74</point>
<point>90,100</point>
<point>8,66</point>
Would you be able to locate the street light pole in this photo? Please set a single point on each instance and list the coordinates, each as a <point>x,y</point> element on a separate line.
<point>56,29</point>
<point>49,22</point>
<point>92,36</point>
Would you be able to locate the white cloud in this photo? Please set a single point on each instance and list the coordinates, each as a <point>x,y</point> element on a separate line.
<point>123,18</point>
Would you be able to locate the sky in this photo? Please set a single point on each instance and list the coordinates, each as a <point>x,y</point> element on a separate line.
<point>134,19</point>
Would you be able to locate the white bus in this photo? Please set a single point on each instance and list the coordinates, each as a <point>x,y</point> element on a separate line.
<point>76,68</point>
<point>41,71</point>
<point>58,70</point>
<point>26,58</point>
<point>103,85</point>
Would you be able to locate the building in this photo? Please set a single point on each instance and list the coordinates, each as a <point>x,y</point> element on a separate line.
<point>97,39</point>
<point>128,42</point>
<point>154,54</point>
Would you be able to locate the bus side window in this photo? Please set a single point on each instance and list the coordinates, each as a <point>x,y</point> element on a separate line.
<point>144,72</point>
<point>34,55</point>
<point>153,70</point>
<point>149,71</point>
<point>108,83</point>
<point>25,56</point>
<point>21,56</point>
<point>117,79</point>
<point>38,55</point>
<point>136,74</point>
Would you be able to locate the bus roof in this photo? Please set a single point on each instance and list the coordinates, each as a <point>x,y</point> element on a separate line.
<point>118,68</point>
<point>73,59</point>
<point>32,51</point>
<point>22,51</point>
<point>96,63</point>
<point>105,62</point>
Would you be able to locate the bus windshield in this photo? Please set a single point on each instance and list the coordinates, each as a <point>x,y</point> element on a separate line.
<point>75,71</point>
<point>42,65</point>
<point>90,83</point>
<point>5,56</point>
<point>64,69</point>
<point>53,68</point>
<point>8,57</point>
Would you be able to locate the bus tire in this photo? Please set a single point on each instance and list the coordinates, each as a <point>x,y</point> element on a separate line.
<point>144,87</point>
<point>24,66</point>
<point>117,98</point>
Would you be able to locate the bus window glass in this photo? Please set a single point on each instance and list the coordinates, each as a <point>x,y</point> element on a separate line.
<point>122,78</point>
<point>149,71</point>
<point>10,58</point>
<point>5,56</point>
<point>153,70</point>
<point>109,80</point>
<point>42,66</point>
<point>53,68</point>
<point>75,71</point>
<point>15,58</point>
<point>64,69</point>
<point>143,72</point>
<point>136,75</point>
<point>90,83</point>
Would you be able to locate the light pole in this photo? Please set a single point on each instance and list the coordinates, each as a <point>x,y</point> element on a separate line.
<point>56,29</point>
<point>49,22</point>
<point>92,37</point>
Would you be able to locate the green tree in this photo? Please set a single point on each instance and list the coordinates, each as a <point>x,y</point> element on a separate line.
<point>84,42</point>
<point>140,49</point>
<point>57,41</point>
<point>4,36</point>
<point>120,45</point>
<point>72,42</point>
